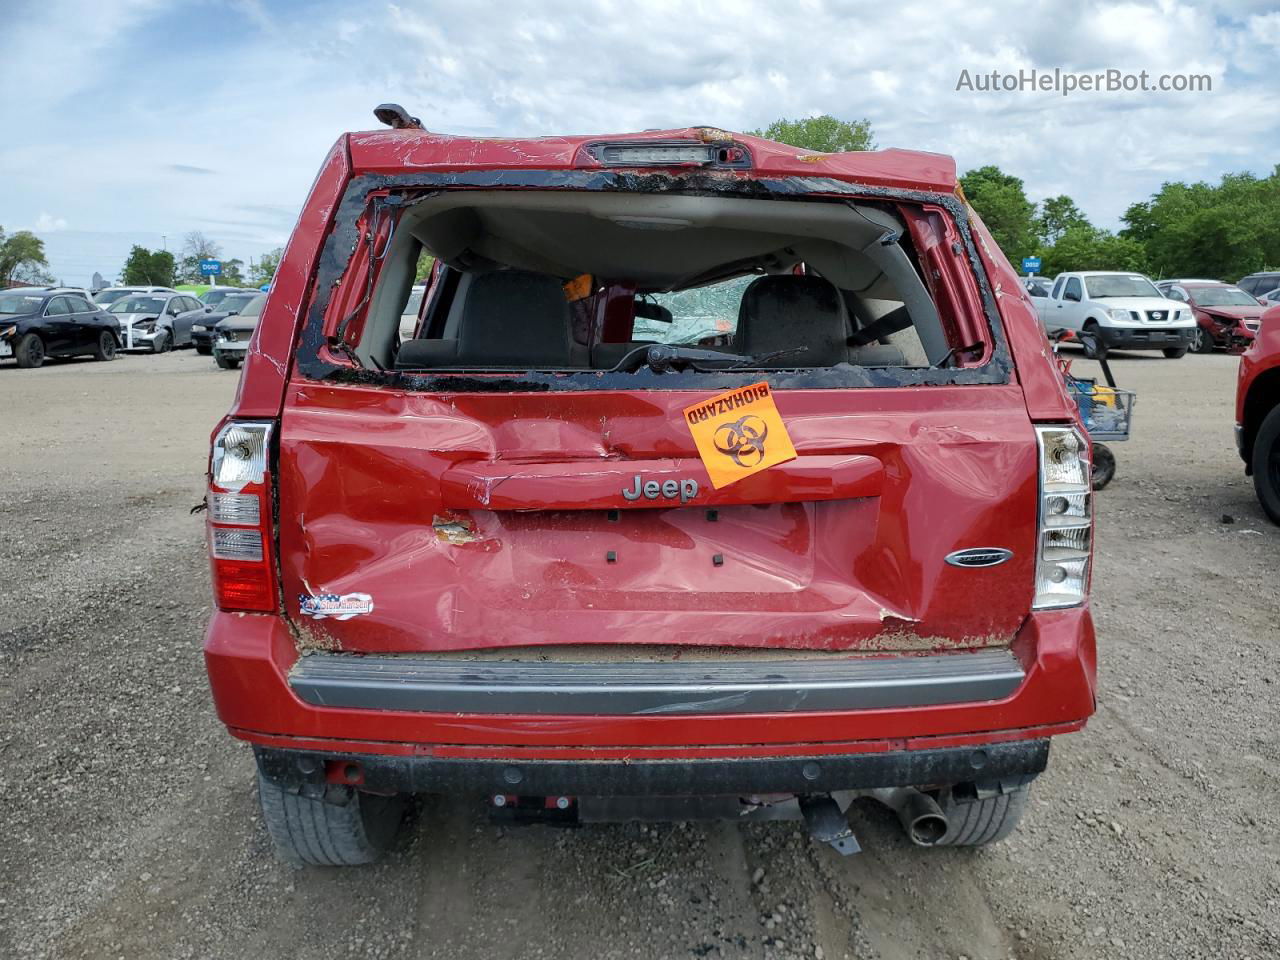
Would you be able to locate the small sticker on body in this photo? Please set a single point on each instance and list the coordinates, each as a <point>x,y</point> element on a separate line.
<point>339,607</point>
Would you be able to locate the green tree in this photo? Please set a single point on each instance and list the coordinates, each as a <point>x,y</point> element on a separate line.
<point>825,134</point>
<point>232,273</point>
<point>1001,201</point>
<point>22,258</point>
<point>425,262</point>
<point>148,268</point>
<point>1084,247</point>
<point>1058,215</point>
<point>1205,230</point>
<point>265,269</point>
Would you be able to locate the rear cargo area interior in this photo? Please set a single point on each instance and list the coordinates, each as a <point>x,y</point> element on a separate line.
<point>580,280</point>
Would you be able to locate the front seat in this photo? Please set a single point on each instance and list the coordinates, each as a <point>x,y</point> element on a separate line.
<point>787,313</point>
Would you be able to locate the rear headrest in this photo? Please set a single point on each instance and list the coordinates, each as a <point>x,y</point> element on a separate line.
<point>787,312</point>
<point>515,318</point>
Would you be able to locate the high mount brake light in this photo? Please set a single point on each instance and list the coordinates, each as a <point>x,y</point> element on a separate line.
<point>240,516</point>
<point>1065,542</point>
<point>671,153</point>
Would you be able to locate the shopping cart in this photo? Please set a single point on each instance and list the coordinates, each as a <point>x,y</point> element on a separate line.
<point>1107,412</point>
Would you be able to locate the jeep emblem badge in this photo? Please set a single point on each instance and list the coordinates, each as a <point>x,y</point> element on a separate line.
<point>979,557</point>
<point>685,489</point>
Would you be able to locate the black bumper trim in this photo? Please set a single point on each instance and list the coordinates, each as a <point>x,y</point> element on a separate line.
<point>1140,339</point>
<point>649,688</point>
<point>639,777</point>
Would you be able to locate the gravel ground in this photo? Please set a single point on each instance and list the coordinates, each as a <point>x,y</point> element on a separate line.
<point>130,826</point>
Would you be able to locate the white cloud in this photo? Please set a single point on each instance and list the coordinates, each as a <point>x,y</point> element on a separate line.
<point>47,223</point>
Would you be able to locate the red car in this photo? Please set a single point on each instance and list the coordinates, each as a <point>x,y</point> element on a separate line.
<point>721,479</point>
<point>1227,316</point>
<point>1258,413</point>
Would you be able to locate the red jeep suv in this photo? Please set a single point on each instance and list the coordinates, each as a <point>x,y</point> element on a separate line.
<point>718,478</point>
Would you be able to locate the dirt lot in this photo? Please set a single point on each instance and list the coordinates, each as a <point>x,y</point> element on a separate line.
<point>129,825</point>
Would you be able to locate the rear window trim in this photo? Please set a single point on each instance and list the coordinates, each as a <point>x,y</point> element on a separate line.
<point>343,239</point>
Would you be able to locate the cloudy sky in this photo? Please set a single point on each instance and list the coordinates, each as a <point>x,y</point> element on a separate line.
<point>137,120</point>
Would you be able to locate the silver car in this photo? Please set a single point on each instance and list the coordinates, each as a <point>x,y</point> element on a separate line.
<point>156,322</point>
<point>232,335</point>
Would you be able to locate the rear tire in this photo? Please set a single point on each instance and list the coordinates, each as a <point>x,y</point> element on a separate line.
<point>978,822</point>
<point>344,829</point>
<point>1104,465</point>
<point>1174,353</point>
<point>30,351</point>
<point>1201,342</point>
<point>203,349</point>
<point>105,348</point>
<point>1266,465</point>
<point>1091,340</point>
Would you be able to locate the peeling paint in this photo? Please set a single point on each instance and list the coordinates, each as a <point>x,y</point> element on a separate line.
<point>454,528</point>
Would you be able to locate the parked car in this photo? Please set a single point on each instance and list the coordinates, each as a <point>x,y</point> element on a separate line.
<point>1256,284</point>
<point>109,295</point>
<point>202,331</point>
<point>1258,413</point>
<point>1270,298</point>
<point>1109,309</point>
<point>1226,316</point>
<point>231,336</point>
<point>36,323</point>
<point>214,296</point>
<point>157,322</point>
<point>533,557</point>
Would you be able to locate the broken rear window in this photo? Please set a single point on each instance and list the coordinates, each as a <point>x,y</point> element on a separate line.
<point>581,282</point>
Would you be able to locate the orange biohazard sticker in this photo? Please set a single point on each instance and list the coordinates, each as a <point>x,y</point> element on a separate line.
<point>739,433</point>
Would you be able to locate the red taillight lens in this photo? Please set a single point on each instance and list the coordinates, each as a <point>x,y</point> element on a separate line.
<point>240,518</point>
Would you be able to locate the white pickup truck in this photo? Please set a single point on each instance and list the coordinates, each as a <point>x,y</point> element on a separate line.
<point>1114,309</point>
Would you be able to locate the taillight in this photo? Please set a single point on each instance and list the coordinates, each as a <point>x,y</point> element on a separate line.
<point>240,516</point>
<point>1065,542</point>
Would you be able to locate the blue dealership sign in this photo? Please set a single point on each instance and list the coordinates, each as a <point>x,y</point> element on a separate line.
<point>1030,264</point>
<point>210,268</point>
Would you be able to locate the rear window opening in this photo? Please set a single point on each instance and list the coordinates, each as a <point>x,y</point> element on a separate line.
<point>629,283</point>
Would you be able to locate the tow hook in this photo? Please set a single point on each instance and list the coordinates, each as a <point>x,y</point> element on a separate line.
<point>920,816</point>
<point>828,824</point>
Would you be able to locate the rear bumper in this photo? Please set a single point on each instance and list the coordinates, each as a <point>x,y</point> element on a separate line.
<point>1142,338</point>
<point>698,777</point>
<point>250,659</point>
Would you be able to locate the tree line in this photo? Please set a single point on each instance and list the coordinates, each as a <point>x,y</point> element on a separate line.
<point>160,268</point>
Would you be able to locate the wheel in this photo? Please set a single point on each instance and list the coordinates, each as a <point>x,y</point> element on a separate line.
<point>164,344</point>
<point>342,828</point>
<point>1201,342</point>
<point>975,823</point>
<point>1174,353</point>
<point>1091,340</point>
<point>226,363</point>
<point>1266,465</point>
<point>1104,465</point>
<point>105,349</point>
<point>30,351</point>
<point>203,349</point>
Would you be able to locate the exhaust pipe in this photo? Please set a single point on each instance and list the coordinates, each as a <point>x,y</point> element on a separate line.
<point>919,813</point>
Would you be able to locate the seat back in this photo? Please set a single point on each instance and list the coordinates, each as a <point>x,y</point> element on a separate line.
<point>515,318</point>
<point>786,313</point>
